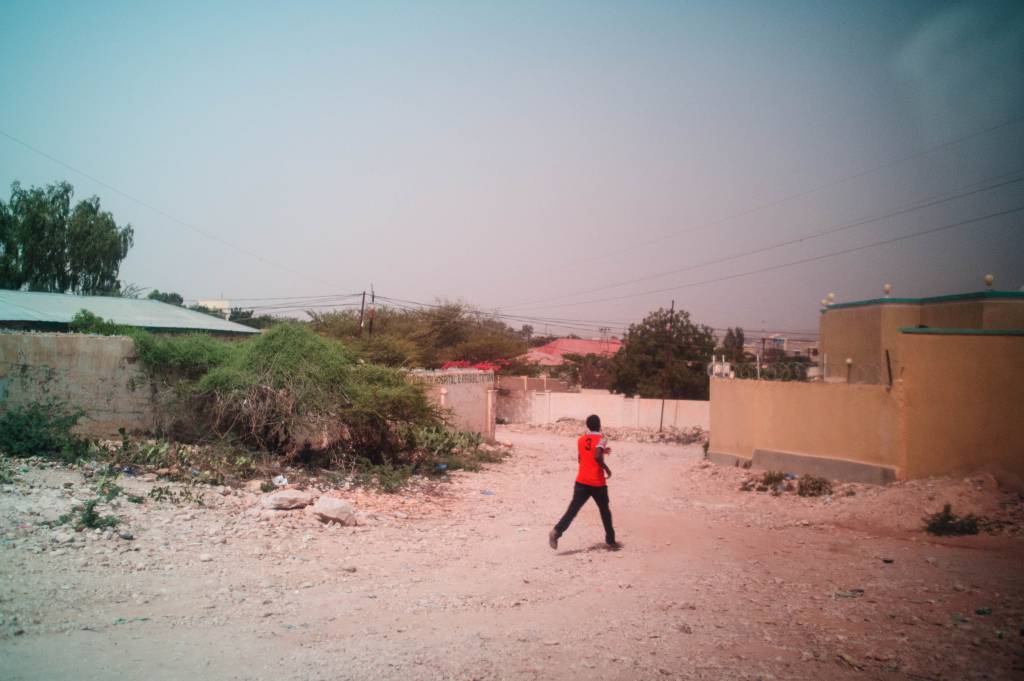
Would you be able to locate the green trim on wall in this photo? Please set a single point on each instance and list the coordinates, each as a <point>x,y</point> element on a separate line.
<point>952,298</point>
<point>963,332</point>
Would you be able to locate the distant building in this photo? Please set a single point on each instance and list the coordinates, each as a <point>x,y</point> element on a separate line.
<point>553,353</point>
<point>221,306</point>
<point>23,310</point>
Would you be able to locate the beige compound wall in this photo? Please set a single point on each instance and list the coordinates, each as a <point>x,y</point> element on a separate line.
<point>964,404</point>
<point>617,411</point>
<point>956,406</point>
<point>849,422</point>
<point>1003,314</point>
<point>95,373</point>
<point>468,396</point>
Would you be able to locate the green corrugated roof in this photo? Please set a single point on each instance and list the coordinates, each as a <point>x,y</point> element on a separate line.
<point>59,308</point>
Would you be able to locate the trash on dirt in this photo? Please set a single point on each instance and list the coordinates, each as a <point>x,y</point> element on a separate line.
<point>280,480</point>
<point>888,560</point>
<point>848,661</point>
<point>983,611</point>
<point>852,593</point>
<point>487,492</point>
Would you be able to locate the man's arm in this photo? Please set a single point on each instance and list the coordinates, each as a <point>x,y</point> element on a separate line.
<point>599,458</point>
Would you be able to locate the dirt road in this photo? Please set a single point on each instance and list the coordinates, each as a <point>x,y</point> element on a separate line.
<point>712,583</point>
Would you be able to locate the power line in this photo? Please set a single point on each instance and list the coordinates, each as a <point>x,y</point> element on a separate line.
<point>586,324</point>
<point>927,203</point>
<point>157,210</point>
<point>807,192</point>
<point>794,262</point>
<point>307,297</point>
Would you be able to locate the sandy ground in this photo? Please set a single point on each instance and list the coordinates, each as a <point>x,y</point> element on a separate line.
<point>458,582</point>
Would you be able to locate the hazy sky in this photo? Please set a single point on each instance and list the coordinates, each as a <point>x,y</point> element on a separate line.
<point>512,154</point>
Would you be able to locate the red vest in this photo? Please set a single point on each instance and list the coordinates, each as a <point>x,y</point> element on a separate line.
<point>591,472</point>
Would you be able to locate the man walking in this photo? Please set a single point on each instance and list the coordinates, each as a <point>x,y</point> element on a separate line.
<point>591,481</point>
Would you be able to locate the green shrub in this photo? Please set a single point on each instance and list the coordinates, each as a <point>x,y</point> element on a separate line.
<point>85,321</point>
<point>813,486</point>
<point>42,429</point>
<point>189,356</point>
<point>286,392</point>
<point>290,391</point>
<point>945,522</point>
<point>772,478</point>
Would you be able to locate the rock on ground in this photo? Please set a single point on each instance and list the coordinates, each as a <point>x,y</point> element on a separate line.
<point>332,509</point>
<point>286,499</point>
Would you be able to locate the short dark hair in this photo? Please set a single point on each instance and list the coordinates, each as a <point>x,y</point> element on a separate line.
<point>594,422</point>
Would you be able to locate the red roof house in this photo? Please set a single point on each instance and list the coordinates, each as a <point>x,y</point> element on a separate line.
<point>553,354</point>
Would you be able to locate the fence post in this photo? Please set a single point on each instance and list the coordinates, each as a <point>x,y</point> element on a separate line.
<point>759,366</point>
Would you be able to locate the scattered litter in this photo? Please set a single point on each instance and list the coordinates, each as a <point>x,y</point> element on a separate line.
<point>487,492</point>
<point>440,468</point>
<point>852,593</point>
<point>983,611</point>
<point>888,560</point>
<point>849,661</point>
<point>789,476</point>
<point>280,480</point>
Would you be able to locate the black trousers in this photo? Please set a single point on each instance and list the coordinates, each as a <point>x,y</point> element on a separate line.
<point>580,494</point>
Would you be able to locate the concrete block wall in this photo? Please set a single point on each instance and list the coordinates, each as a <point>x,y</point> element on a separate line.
<point>95,373</point>
<point>616,411</point>
<point>469,397</point>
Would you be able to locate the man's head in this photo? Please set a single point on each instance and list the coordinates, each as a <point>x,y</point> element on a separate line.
<point>594,423</point>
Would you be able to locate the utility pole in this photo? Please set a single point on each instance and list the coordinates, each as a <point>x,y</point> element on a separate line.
<point>362,310</point>
<point>664,371</point>
<point>373,308</point>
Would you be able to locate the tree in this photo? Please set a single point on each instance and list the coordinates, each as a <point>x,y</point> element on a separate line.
<point>166,297</point>
<point>732,345</point>
<point>426,337</point>
<point>665,355</point>
<point>586,371</point>
<point>249,318</point>
<point>48,245</point>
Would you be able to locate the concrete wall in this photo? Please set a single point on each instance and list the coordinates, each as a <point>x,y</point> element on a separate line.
<point>956,405</point>
<point>541,383</point>
<point>1003,314</point>
<point>863,333</point>
<point>99,374</point>
<point>839,421</point>
<point>94,373</point>
<point>469,396</point>
<point>964,404</point>
<point>616,411</point>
